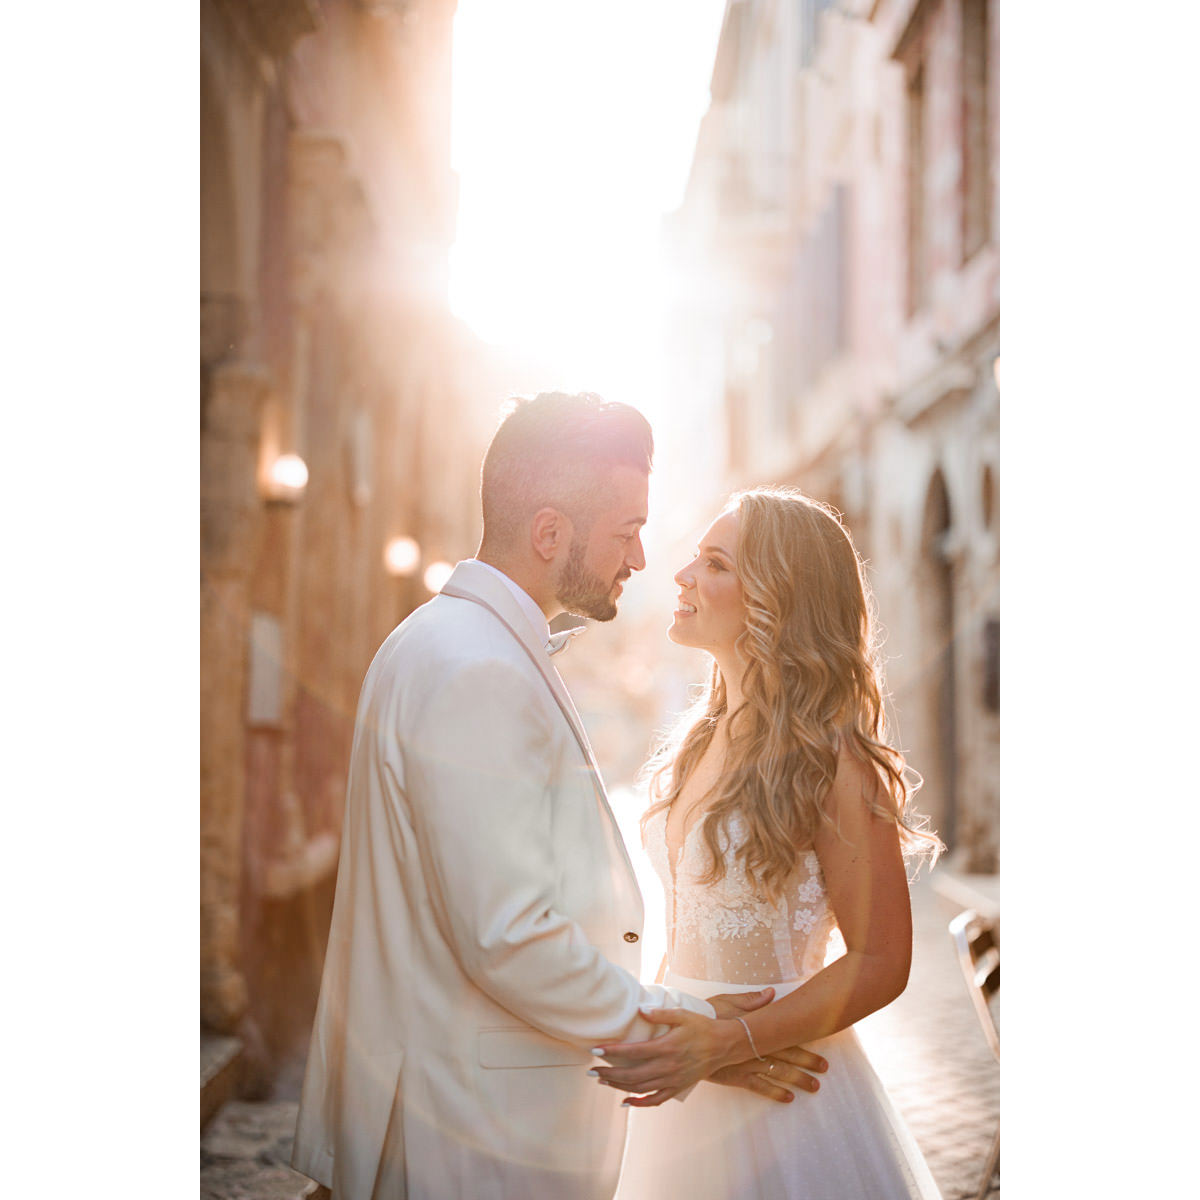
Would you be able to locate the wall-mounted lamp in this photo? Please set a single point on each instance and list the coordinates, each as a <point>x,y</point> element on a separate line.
<point>436,575</point>
<point>286,479</point>
<point>401,556</point>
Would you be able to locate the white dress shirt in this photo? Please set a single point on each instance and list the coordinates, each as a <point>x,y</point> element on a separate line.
<point>530,607</point>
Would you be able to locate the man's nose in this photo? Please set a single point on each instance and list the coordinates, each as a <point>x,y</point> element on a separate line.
<point>637,560</point>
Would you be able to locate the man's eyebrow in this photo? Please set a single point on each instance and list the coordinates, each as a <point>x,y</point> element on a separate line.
<point>638,521</point>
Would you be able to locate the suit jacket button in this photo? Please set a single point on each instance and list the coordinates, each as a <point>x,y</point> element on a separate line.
<point>631,936</point>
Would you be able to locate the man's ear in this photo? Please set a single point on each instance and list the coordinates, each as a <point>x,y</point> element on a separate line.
<point>550,534</point>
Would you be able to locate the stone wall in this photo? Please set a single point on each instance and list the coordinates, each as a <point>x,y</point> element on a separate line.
<point>328,207</point>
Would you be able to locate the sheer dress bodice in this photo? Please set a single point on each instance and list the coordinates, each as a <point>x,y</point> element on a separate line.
<point>728,930</point>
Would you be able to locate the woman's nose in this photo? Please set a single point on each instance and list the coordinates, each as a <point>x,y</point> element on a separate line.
<point>683,576</point>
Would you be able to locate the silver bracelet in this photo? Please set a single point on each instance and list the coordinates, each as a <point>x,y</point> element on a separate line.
<point>750,1039</point>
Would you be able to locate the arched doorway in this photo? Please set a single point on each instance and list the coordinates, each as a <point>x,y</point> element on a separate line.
<point>939,701</point>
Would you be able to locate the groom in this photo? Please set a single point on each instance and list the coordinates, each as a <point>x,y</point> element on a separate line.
<point>486,925</point>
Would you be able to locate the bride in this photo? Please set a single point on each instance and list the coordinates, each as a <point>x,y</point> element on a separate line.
<point>779,815</point>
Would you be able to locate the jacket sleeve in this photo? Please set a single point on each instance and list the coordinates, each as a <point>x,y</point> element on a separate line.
<point>477,765</point>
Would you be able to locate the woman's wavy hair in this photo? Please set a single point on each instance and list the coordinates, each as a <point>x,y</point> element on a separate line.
<point>813,682</point>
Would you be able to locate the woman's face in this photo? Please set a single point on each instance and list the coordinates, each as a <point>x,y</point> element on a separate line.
<point>711,612</point>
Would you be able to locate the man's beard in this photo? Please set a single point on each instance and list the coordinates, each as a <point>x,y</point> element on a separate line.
<point>582,593</point>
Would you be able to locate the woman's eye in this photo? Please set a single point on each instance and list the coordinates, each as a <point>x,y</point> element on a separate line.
<point>716,566</point>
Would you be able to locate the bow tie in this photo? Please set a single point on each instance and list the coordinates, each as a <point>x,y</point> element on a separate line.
<point>560,641</point>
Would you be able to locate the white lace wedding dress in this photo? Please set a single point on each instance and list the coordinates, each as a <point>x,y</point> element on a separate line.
<point>846,1142</point>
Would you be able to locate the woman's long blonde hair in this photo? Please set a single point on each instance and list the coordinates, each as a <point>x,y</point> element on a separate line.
<point>813,682</point>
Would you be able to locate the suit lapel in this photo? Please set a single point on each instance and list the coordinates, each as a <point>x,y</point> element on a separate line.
<point>475,583</point>
<point>471,582</point>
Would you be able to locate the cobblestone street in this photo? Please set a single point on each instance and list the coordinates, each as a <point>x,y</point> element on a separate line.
<point>931,1054</point>
<point>244,1153</point>
<point>927,1048</point>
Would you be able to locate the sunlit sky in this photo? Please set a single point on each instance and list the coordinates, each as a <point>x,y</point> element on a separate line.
<point>574,123</point>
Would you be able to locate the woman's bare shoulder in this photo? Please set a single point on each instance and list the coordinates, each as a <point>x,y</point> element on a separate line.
<point>856,784</point>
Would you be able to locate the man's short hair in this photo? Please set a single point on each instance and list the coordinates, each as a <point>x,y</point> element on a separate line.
<point>557,451</point>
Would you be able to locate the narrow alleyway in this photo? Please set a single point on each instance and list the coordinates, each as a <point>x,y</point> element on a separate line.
<point>927,1048</point>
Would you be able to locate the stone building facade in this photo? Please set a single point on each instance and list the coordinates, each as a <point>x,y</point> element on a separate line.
<point>840,231</point>
<point>327,211</point>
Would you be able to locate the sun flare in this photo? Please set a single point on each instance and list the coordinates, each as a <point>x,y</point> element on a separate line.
<point>573,130</point>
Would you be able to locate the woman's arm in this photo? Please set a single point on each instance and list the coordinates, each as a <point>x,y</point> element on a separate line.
<point>867,890</point>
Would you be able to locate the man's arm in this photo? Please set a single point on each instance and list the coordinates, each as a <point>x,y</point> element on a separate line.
<point>476,770</point>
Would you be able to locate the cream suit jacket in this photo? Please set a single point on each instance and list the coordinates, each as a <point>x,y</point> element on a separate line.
<point>485,928</point>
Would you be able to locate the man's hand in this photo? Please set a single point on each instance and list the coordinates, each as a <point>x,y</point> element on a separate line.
<point>783,1069</point>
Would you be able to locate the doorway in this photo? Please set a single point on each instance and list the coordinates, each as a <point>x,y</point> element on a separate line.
<point>939,703</point>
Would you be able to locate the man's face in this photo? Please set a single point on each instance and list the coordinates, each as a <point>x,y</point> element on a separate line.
<point>596,565</point>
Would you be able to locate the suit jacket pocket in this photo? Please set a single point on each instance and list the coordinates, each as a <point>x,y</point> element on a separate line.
<point>501,1048</point>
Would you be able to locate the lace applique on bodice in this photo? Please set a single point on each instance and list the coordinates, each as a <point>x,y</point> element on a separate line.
<point>727,930</point>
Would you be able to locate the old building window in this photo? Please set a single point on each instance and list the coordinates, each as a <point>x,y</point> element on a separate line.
<point>918,281</point>
<point>837,272</point>
<point>816,303</point>
<point>264,690</point>
<point>976,191</point>
<point>359,442</point>
<point>987,496</point>
<point>912,53</point>
<point>991,664</point>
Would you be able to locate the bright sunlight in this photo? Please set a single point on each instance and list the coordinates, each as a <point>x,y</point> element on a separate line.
<point>573,130</point>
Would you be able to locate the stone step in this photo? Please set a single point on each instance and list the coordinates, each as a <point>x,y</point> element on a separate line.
<point>220,1069</point>
<point>244,1153</point>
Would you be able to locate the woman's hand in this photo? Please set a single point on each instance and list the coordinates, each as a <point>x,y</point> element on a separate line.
<point>783,1070</point>
<point>733,1004</point>
<point>788,1066</point>
<point>662,1067</point>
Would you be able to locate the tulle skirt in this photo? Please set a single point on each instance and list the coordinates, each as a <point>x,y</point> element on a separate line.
<point>846,1142</point>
